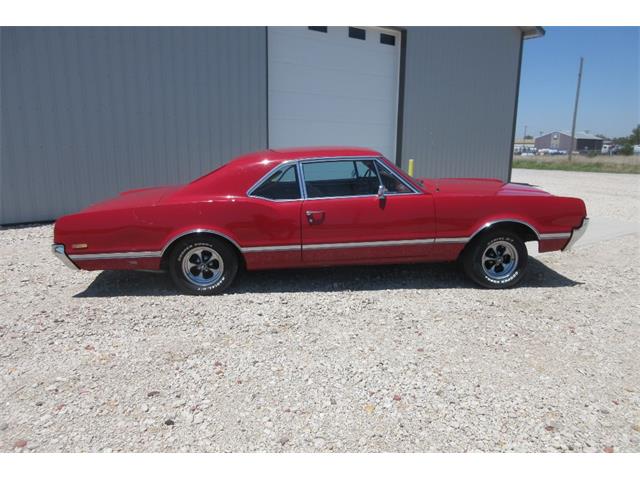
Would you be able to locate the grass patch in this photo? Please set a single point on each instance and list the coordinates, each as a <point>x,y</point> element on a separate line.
<point>576,166</point>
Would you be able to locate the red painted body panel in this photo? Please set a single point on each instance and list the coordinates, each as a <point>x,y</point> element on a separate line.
<point>148,220</point>
<point>368,219</point>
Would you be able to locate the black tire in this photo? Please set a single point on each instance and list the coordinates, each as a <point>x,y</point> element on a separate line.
<point>220,261</point>
<point>485,271</point>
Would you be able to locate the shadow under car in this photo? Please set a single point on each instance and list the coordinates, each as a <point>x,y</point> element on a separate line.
<point>122,283</point>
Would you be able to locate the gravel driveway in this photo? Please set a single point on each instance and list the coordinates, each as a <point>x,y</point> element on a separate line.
<point>405,358</point>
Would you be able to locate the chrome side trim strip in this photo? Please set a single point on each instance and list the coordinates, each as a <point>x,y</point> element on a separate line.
<point>274,248</point>
<point>383,243</point>
<point>452,240</point>
<point>554,236</point>
<point>58,251</point>
<point>502,220</point>
<point>198,230</point>
<point>114,256</point>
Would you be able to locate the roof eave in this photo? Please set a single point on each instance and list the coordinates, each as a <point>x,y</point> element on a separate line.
<point>532,32</point>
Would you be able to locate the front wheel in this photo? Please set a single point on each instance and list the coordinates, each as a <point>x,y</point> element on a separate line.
<point>496,259</point>
<point>201,265</point>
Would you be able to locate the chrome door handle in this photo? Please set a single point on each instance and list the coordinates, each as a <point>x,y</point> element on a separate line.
<point>313,214</point>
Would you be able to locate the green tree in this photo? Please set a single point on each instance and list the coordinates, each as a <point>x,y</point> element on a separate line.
<point>627,149</point>
<point>628,142</point>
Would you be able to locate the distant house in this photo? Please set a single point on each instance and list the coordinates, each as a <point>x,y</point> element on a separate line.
<point>523,145</point>
<point>584,142</point>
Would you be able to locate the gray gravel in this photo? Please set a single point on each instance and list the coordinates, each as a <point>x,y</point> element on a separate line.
<point>405,358</point>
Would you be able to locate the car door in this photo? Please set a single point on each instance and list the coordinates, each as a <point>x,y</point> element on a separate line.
<point>345,220</point>
<point>269,220</point>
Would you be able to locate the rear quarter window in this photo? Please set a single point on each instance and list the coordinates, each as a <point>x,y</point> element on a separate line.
<point>281,185</point>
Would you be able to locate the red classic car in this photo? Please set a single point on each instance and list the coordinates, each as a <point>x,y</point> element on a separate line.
<point>317,207</point>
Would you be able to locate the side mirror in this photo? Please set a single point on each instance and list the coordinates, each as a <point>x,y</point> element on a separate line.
<point>382,192</point>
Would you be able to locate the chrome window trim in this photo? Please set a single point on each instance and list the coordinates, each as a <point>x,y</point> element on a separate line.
<point>302,188</point>
<point>265,177</point>
<point>380,163</point>
<point>377,163</point>
<point>373,195</point>
<point>303,185</point>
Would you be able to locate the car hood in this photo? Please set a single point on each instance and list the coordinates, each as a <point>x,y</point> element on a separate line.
<point>142,197</point>
<point>479,186</point>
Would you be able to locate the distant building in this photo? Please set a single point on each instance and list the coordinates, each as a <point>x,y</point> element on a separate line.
<point>584,142</point>
<point>523,145</point>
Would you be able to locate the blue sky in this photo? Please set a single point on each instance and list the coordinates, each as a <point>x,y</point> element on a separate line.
<point>609,96</point>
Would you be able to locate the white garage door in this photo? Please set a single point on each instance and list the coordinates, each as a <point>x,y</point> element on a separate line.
<point>333,87</point>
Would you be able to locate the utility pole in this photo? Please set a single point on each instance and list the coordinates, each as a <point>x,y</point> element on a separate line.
<point>575,111</point>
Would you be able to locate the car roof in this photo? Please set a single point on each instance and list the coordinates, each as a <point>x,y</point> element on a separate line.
<point>274,156</point>
<point>243,171</point>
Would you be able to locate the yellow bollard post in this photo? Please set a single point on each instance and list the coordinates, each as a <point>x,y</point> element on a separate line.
<point>411,167</point>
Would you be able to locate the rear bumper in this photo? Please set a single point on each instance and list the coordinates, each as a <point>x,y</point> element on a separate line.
<point>576,234</point>
<point>58,251</point>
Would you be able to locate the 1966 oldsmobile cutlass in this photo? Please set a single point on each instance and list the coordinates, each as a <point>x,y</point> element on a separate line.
<point>317,207</point>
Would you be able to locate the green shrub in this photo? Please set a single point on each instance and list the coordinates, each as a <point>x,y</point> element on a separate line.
<point>627,149</point>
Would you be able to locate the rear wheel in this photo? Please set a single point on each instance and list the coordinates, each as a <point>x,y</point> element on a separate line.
<point>202,265</point>
<point>496,259</point>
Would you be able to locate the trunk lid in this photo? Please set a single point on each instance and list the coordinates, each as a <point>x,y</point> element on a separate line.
<point>141,197</point>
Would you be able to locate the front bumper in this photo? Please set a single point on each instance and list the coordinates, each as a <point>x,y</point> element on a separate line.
<point>58,251</point>
<point>576,234</point>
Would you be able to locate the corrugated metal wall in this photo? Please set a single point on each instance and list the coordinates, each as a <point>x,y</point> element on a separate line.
<point>460,93</point>
<point>89,112</point>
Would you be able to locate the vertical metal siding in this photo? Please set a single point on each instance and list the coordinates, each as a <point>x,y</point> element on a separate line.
<point>89,112</point>
<point>459,100</point>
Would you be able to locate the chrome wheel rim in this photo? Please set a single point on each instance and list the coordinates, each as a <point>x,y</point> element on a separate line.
<point>499,260</point>
<point>202,266</point>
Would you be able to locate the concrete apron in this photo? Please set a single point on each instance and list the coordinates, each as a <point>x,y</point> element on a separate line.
<point>599,230</point>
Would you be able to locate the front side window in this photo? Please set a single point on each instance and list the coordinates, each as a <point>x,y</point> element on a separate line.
<point>281,185</point>
<point>340,178</point>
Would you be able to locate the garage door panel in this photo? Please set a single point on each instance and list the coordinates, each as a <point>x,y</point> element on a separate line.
<point>330,89</point>
<point>299,134</point>
<point>302,78</point>
<point>323,107</point>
